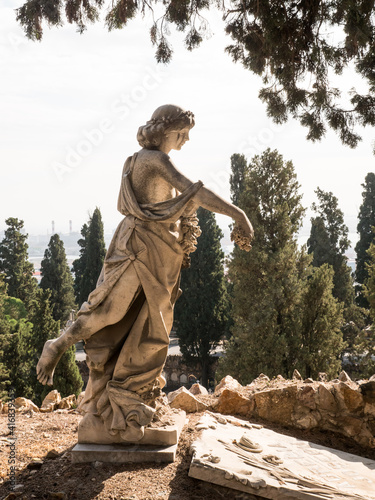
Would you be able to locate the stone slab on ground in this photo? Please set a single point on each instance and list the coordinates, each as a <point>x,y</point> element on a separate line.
<point>116,453</point>
<point>281,468</point>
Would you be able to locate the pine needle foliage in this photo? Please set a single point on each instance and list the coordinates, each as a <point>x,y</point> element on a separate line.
<point>56,276</point>
<point>289,44</point>
<point>366,223</point>
<point>88,266</point>
<point>272,284</point>
<point>201,312</point>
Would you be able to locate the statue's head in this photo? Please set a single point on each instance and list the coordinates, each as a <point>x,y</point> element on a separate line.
<point>165,119</point>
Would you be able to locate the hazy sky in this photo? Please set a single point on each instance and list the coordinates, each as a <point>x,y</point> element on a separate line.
<point>71,106</point>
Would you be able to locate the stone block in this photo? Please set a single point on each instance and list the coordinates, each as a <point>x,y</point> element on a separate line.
<point>276,405</point>
<point>197,389</point>
<point>116,453</point>
<point>227,382</point>
<point>232,402</point>
<point>283,468</point>
<point>51,401</point>
<point>185,400</point>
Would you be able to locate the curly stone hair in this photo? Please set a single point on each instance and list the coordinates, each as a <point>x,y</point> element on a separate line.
<point>167,118</point>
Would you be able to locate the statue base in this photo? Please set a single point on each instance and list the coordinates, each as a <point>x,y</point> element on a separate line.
<point>117,453</point>
<point>159,443</point>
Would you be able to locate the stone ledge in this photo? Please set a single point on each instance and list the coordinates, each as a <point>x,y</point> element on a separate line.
<point>116,453</point>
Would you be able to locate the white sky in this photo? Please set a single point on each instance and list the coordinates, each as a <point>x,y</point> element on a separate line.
<point>56,96</point>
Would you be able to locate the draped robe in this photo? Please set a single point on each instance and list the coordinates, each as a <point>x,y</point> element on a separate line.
<point>135,296</point>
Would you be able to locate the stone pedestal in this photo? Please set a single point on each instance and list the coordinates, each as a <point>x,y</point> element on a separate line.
<point>159,443</point>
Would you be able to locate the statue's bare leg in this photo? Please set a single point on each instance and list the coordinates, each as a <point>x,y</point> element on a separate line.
<point>82,329</point>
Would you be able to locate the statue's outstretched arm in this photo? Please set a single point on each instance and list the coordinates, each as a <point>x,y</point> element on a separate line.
<point>206,198</point>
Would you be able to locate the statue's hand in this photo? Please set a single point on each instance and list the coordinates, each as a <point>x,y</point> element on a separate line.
<point>243,233</point>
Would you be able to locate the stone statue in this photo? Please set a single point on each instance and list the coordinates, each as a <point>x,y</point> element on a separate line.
<point>126,320</point>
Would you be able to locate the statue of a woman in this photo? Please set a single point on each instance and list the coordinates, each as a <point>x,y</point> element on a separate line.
<point>126,320</point>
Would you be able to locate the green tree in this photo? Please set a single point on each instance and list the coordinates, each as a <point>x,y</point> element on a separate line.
<point>67,379</point>
<point>367,339</point>
<point>201,311</point>
<point>365,226</point>
<point>328,243</point>
<point>238,165</point>
<point>267,281</point>
<point>321,320</point>
<point>57,277</point>
<point>14,262</point>
<point>88,267</point>
<point>272,282</point>
<point>289,44</point>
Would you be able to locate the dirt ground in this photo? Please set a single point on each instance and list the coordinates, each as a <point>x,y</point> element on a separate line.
<point>57,478</point>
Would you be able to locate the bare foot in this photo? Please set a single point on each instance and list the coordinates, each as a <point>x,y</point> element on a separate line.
<point>47,363</point>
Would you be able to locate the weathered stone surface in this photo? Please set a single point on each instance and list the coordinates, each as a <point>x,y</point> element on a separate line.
<point>5,408</point>
<point>306,396</point>
<point>67,403</point>
<point>325,399</point>
<point>227,382</point>
<point>276,405</point>
<point>115,453</point>
<point>304,470</point>
<point>232,402</point>
<point>297,375</point>
<point>344,377</point>
<point>186,401</point>
<point>26,404</point>
<point>308,381</point>
<point>368,391</point>
<point>322,377</point>
<point>51,401</point>
<point>349,399</point>
<point>198,389</point>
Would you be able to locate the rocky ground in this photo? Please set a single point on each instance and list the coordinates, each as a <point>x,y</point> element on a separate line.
<point>44,440</point>
<point>57,478</point>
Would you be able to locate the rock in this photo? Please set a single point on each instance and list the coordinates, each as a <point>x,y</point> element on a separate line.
<point>308,381</point>
<point>52,454</point>
<point>306,396</point>
<point>1,406</point>
<point>51,401</point>
<point>261,378</point>
<point>26,404</point>
<point>198,389</point>
<point>368,391</point>
<point>227,382</point>
<point>372,378</point>
<point>297,375</point>
<point>276,405</point>
<point>344,377</point>
<point>5,408</point>
<point>67,403</point>
<point>322,377</point>
<point>325,400</point>
<point>349,399</point>
<point>35,464</point>
<point>185,400</point>
<point>232,402</point>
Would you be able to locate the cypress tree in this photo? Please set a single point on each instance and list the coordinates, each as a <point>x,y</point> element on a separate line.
<point>201,311</point>
<point>88,267</point>
<point>57,277</point>
<point>14,262</point>
<point>321,320</point>
<point>267,280</point>
<point>366,221</point>
<point>238,168</point>
<point>271,282</point>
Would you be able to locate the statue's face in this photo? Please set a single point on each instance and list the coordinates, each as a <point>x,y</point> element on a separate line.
<point>177,139</point>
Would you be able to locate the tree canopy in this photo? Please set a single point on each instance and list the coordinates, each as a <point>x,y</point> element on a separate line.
<point>87,267</point>
<point>296,46</point>
<point>366,223</point>
<point>274,282</point>
<point>57,277</point>
<point>201,312</point>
